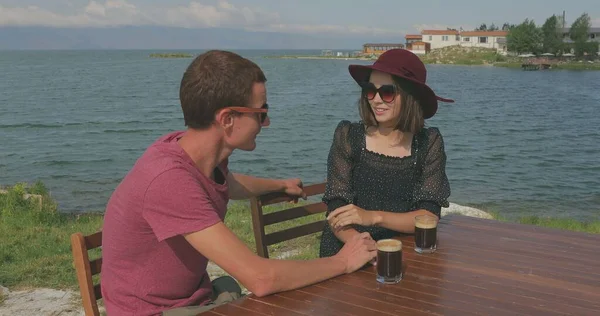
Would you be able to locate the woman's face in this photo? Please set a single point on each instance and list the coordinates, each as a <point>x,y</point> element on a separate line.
<point>383,98</point>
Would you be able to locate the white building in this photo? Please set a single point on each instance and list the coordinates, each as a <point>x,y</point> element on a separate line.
<point>593,34</point>
<point>483,39</point>
<point>441,38</point>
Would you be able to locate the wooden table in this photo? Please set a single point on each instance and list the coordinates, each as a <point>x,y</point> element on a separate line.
<point>481,267</point>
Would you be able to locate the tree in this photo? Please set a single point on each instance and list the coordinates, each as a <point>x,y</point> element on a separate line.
<point>492,27</point>
<point>561,23</point>
<point>482,27</point>
<point>524,38</point>
<point>579,35</point>
<point>507,26</point>
<point>552,35</point>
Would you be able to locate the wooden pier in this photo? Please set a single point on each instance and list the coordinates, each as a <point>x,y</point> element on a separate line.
<point>535,66</point>
<point>538,63</point>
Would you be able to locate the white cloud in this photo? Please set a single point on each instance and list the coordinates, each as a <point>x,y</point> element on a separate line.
<point>421,27</point>
<point>32,15</point>
<point>118,4</point>
<point>109,13</point>
<point>224,14</point>
<point>196,14</point>
<point>595,22</point>
<point>94,8</point>
<point>339,29</point>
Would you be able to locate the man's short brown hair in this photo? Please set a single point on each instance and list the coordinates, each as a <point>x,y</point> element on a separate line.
<point>411,115</point>
<point>214,80</point>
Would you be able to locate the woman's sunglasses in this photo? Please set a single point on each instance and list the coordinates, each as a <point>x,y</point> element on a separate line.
<point>263,111</point>
<point>387,92</point>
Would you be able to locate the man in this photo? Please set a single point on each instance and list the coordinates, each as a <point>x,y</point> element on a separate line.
<point>165,219</point>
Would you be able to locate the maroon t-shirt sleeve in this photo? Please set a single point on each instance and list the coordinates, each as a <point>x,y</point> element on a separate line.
<point>175,203</point>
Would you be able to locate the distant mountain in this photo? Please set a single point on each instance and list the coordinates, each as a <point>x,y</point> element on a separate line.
<point>159,37</point>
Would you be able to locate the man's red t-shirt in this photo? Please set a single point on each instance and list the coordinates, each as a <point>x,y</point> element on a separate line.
<point>148,266</point>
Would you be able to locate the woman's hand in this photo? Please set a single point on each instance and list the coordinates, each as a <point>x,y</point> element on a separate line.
<point>350,214</point>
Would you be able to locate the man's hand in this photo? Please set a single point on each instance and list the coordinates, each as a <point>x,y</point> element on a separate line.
<point>293,187</point>
<point>358,251</point>
<point>243,187</point>
<point>350,214</point>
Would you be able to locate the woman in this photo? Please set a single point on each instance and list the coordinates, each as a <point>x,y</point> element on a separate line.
<point>388,168</point>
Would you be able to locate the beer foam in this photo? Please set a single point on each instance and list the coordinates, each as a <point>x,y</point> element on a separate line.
<point>389,245</point>
<point>426,224</point>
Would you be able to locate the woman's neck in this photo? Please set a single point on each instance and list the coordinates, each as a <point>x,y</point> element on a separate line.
<point>394,137</point>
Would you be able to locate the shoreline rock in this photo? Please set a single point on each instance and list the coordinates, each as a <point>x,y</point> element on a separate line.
<point>466,211</point>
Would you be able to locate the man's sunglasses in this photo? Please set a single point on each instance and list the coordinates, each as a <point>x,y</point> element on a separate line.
<point>387,92</point>
<point>263,111</point>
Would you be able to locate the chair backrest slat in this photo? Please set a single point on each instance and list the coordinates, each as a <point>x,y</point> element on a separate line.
<point>294,232</point>
<point>293,213</point>
<point>278,197</point>
<point>260,220</point>
<point>96,266</point>
<point>98,291</point>
<point>93,241</point>
<point>85,269</point>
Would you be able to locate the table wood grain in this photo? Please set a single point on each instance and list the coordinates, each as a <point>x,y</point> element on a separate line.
<point>481,267</point>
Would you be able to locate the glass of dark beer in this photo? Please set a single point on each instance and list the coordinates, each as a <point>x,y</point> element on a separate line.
<point>389,261</point>
<point>425,233</point>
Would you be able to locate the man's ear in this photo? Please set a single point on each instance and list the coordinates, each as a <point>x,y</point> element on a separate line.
<point>224,118</point>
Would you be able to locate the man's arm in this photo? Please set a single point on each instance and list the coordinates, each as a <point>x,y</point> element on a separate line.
<point>265,276</point>
<point>243,187</point>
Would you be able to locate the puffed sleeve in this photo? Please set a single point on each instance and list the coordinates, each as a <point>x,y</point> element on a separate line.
<point>433,187</point>
<point>338,191</point>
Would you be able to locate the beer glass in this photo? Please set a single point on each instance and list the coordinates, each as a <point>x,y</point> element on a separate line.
<point>389,261</point>
<point>425,233</point>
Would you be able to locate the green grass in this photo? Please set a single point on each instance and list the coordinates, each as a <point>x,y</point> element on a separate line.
<point>34,243</point>
<point>578,66</point>
<point>551,222</point>
<point>508,64</point>
<point>317,57</point>
<point>239,221</point>
<point>35,248</point>
<point>484,56</point>
<point>462,56</point>
<point>565,66</point>
<point>171,55</point>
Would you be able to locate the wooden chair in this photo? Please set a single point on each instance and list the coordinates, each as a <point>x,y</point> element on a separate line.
<point>260,220</point>
<point>85,269</point>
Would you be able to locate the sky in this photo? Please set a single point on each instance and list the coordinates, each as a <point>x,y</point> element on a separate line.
<point>364,17</point>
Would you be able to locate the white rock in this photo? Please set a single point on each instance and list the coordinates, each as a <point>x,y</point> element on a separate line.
<point>4,291</point>
<point>465,210</point>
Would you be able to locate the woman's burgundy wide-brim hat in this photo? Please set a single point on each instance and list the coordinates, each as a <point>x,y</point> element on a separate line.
<point>406,65</point>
